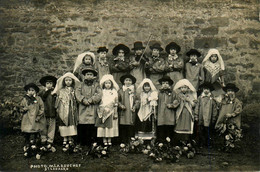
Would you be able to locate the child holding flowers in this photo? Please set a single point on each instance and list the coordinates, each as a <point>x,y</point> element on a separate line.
<point>107,120</point>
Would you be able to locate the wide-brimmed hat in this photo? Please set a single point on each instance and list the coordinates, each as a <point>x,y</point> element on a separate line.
<point>120,47</point>
<point>48,78</point>
<point>31,85</point>
<point>85,70</point>
<point>102,49</point>
<point>207,85</point>
<point>138,45</point>
<point>172,45</point>
<point>231,87</point>
<point>193,52</point>
<point>122,78</point>
<point>166,78</point>
<point>156,46</point>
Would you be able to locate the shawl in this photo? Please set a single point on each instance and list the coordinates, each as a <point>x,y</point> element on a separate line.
<point>80,57</point>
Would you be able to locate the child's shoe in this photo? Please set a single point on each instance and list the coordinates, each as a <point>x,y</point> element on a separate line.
<point>65,146</point>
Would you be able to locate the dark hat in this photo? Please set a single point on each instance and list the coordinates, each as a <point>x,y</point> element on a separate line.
<point>156,46</point>
<point>120,47</point>
<point>207,85</point>
<point>172,45</point>
<point>122,78</point>
<point>193,52</point>
<point>31,85</point>
<point>231,87</point>
<point>89,69</point>
<point>48,78</point>
<point>166,78</point>
<point>101,49</point>
<point>138,45</point>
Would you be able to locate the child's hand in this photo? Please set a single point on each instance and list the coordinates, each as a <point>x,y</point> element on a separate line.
<point>133,109</point>
<point>115,117</point>
<point>169,106</point>
<point>85,102</point>
<point>228,115</point>
<point>25,109</point>
<point>123,107</point>
<point>37,119</point>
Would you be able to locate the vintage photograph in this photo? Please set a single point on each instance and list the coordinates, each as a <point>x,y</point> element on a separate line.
<point>129,85</point>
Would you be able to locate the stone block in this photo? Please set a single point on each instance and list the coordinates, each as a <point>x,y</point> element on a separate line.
<point>248,77</point>
<point>199,21</point>
<point>233,40</point>
<point>210,31</point>
<point>254,44</point>
<point>209,42</point>
<point>256,86</point>
<point>219,21</point>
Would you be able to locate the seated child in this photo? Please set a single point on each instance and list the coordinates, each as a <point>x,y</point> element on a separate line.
<point>49,82</point>
<point>107,119</point>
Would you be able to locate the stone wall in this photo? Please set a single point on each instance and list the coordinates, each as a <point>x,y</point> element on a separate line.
<point>40,37</point>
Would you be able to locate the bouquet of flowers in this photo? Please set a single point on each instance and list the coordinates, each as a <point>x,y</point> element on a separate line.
<point>34,150</point>
<point>163,151</point>
<point>136,145</point>
<point>97,151</point>
<point>187,149</point>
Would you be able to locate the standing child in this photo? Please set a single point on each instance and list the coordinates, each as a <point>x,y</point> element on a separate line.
<point>102,62</point>
<point>119,65</point>
<point>213,66</point>
<point>148,96</point>
<point>84,60</point>
<point>229,119</point>
<point>66,108</point>
<point>137,62</point>
<point>175,64</point>
<point>107,120</point>
<point>193,69</point>
<point>206,114</point>
<point>33,118</point>
<point>156,65</point>
<point>184,114</point>
<point>127,107</point>
<point>88,95</point>
<point>167,101</point>
<point>49,82</point>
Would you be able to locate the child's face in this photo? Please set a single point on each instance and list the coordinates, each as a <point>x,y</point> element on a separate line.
<point>49,85</point>
<point>165,84</point>
<point>102,54</point>
<point>155,52</point>
<point>147,87</point>
<point>68,81</point>
<point>128,82</point>
<point>121,53</point>
<point>231,93</point>
<point>214,58</point>
<point>206,90</point>
<point>108,84</point>
<point>139,52</point>
<point>31,92</point>
<point>184,89</point>
<point>89,76</point>
<point>88,60</point>
<point>173,51</point>
<point>194,57</point>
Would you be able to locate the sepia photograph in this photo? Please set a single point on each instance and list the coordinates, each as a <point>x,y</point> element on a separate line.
<point>129,85</point>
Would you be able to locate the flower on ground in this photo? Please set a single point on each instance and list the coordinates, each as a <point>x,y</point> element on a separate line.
<point>122,145</point>
<point>38,156</point>
<point>160,145</point>
<point>168,139</point>
<point>104,152</point>
<point>145,151</point>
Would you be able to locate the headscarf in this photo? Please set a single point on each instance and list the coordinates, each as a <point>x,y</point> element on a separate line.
<point>60,80</point>
<point>111,78</point>
<point>80,57</point>
<point>146,80</point>
<point>185,82</point>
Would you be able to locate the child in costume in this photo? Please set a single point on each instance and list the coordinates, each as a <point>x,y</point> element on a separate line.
<point>229,120</point>
<point>127,108</point>
<point>88,95</point>
<point>119,65</point>
<point>193,69</point>
<point>167,102</point>
<point>175,64</point>
<point>102,65</point>
<point>107,120</point>
<point>33,119</point>
<point>155,67</point>
<point>47,136</point>
<point>205,114</point>
<point>137,62</point>
<point>84,60</point>
<point>148,96</point>
<point>66,106</point>
<point>184,114</point>
<point>213,67</point>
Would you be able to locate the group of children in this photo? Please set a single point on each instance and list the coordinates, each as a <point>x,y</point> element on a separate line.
<point>124,96</point>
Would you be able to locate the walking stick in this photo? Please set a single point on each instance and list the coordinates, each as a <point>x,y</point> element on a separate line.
<point>145,48</point>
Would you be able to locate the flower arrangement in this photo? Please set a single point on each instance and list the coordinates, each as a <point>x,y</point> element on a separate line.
<point>187,149</point>
<point>34,150</point>
<point>98,151</point>
<point>136,145</point>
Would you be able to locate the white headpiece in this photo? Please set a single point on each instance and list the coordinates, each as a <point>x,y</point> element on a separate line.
<point>60,80</point>
<point>185,82</point>
<point>80,58</point>
<point>145,80</point>
<point>111,78</point>
<point>220,60</point>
